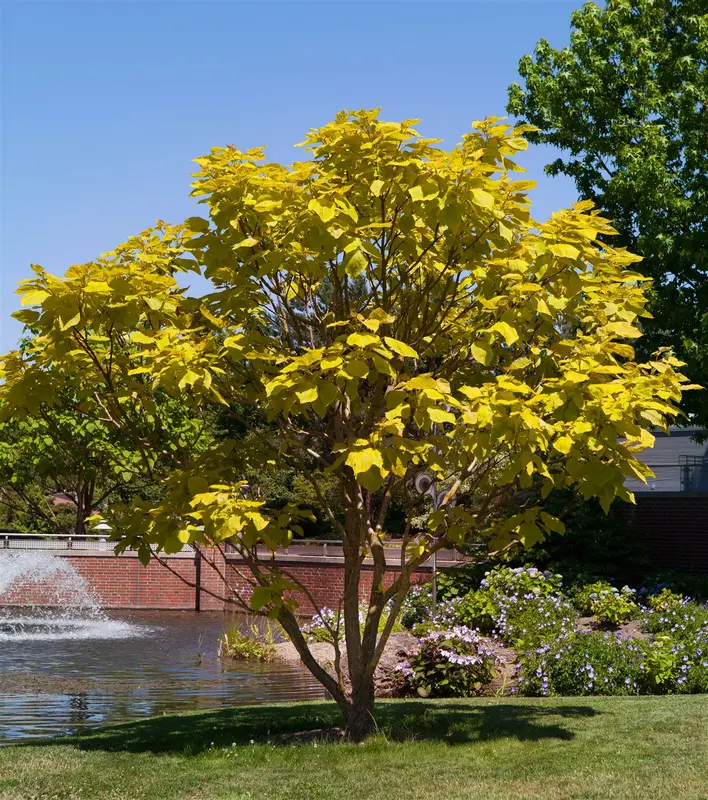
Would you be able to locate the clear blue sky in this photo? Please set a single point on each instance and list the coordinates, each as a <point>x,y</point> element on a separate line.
<point>104,104</point>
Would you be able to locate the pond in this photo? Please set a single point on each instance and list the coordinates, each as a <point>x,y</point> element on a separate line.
<point>60,672</point>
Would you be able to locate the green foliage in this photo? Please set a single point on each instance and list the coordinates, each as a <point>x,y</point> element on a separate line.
<point>666,600</point>
<point>521,606</point>
<point>586,664</point>
<point>608,664</point>
<point>451,663</point>
<point>255,643</point>
<point>680,620</point>
<point>607,603</point>
<point>625,102</point>
<point>508,581</point>
<point>459,581</point>
<point>595,545</point>
<point>417,606</point>
<point>478,610</point>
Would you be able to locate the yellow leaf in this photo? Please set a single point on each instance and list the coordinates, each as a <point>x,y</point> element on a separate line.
<point>400,347</point>
<point>563,444</point>
<point>564,250</point>
<point>624,329</point>
<point>356,368</point>
<point>382,366</point>
<point>482,352</point>
<point>325,210</point>
<point>355,264</point>
<point>306,393</point>
<point>510,335</point>
<point>440,415</point>
<point>330,362</point>
<point>362,460</point>
<point>250,242</point>
<point>70,323</point>
<point>376,187</point>
<point>482,198</point>
<point>416,193</point>
<point>34,298</point>
<point>362,339</point>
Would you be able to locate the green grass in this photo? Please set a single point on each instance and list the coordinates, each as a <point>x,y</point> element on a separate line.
<point>496,749</point>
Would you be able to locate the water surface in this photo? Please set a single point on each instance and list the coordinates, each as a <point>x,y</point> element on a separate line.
<point>61,675</point>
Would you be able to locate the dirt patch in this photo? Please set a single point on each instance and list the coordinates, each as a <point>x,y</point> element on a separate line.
<point>630,630</point>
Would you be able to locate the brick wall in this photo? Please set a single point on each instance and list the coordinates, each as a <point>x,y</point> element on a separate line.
<point>123,582</point>
<point>675,529</point>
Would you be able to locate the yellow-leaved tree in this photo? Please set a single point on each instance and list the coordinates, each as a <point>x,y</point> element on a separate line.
<point>391,308</point>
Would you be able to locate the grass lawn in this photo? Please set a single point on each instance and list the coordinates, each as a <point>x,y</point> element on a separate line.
<point>496,749</point>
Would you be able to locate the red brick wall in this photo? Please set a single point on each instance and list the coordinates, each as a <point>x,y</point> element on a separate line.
<point>123,582</point>
<point>675,529</point>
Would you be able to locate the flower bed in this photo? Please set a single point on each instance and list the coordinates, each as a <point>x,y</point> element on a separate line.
<point>666,650</point>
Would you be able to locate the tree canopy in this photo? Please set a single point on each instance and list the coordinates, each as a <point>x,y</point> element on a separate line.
<point>391,308</point>
<point>626,103</point>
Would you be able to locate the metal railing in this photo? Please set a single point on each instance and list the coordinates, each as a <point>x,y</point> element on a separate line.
<point>329,550</point>
<point>11,540</point>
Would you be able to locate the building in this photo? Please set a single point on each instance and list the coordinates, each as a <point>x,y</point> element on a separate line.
<point>672,508</point>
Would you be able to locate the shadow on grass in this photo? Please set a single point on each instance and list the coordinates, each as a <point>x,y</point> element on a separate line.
<point>451,722</point>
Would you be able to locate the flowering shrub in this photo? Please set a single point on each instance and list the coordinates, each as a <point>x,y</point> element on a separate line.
<point>681,621</point>
<point>505,582</point>
<point>608,664</point>
<point>529,621</point>
<point>520,606</point>
<point>685,663</point>
<point>606,603</point>
<point>324,626</point>
<point>453,663</point>
<point>417,605</point>
<point>586,664</point>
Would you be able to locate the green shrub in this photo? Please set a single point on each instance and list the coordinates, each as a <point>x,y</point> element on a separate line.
<point>586,664</point>
<point>666,600</point>
<point>607,603</point>
<point>253,644</point>
<point>417,606</point>
<point>608,664</point>
<point>454,663</point>
<point>509,581</point>
<point>682,622</point>
<point>477,610</point>
<point>521,606</point>
<point>693,586</point>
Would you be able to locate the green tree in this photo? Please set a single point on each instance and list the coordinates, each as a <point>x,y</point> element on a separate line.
<point>626,103</point>
<point>56,443</point>
<point>391,307</point>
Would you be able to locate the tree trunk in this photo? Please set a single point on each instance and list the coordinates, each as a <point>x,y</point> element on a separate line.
<point>359,717</point>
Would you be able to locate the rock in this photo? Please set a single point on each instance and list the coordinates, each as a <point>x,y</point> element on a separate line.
<point>385,678</point>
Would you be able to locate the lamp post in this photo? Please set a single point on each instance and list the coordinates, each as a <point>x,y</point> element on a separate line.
<point>103,527</point>
<point>425,484</point>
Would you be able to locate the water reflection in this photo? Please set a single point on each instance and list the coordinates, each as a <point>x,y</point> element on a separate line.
<point>57,686</point>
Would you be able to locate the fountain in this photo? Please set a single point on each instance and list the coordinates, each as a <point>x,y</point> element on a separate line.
<point>43,597</point>
<point>67,664</point>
